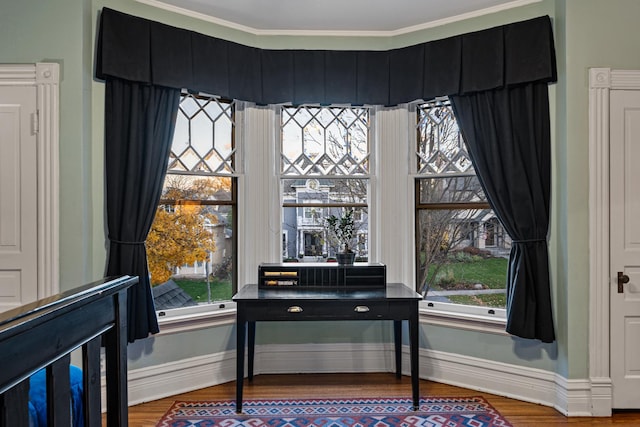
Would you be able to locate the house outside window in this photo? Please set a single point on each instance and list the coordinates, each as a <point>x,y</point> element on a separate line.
<point>324,169</point>
<point>192,243</point>
<point>461,248</point>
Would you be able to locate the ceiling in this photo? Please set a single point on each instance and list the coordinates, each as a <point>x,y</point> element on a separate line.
<point>334,17</point>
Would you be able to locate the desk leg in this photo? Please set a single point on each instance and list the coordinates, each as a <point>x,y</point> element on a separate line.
<point>397,339</point>
<point>240,335</point>
<point>251,344</point>
<point>414,345</point>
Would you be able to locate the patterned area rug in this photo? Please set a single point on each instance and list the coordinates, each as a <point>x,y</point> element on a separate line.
<point>383,412</point>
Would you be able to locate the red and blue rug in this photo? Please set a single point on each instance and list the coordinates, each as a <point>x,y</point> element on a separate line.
<point>382,412</point>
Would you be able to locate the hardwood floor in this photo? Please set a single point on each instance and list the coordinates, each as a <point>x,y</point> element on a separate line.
<point>519,414</point>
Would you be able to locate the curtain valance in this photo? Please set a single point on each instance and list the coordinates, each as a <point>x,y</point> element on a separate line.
<point>144,51</point>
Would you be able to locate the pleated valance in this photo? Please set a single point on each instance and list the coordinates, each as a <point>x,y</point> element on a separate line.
<point>140,50</point>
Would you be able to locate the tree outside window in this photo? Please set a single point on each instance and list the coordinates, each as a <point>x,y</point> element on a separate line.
<point>191,244</point>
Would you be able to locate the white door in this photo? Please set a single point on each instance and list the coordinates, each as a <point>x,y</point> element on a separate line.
<point>625,247</point>
<point>18,197</point>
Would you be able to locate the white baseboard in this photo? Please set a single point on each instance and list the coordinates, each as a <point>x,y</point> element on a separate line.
<point>324,358</point>
<point>570,397</point>
<point>601,396</point>
<point>169,379</point>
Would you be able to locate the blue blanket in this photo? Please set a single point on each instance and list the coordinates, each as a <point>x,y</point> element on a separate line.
<point>38,398</point>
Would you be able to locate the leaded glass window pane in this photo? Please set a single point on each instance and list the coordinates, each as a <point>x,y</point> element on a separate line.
<point>324,141</point>
<point>441,148</point>
<point>204,136</point>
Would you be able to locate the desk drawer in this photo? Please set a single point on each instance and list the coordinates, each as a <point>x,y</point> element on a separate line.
<point>309,309</point>
<point>353,310</point>
<point>277,310</point>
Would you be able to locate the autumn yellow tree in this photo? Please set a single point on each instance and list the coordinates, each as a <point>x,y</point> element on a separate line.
<point>181,231</point>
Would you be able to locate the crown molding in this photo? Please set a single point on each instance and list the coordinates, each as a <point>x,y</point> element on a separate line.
<point>335,33</point>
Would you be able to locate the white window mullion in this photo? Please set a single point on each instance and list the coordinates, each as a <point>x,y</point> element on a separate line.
<point>259,219</point>
<point>393,213</point>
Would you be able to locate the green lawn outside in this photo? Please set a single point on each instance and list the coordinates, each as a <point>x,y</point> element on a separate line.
<point>490,272</point>
<point>486,300</point>
<point>197,289</point>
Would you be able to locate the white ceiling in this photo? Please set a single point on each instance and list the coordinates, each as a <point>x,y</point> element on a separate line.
<point>335,17</point>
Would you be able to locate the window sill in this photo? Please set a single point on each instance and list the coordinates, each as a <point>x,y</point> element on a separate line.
<point>193,318</point>
<point>446,315</point>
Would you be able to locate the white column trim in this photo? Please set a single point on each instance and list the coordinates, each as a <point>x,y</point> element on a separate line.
<point>599,85</point>
<point>259,221</point>
<point>393,242</point>
<point>46,78</point>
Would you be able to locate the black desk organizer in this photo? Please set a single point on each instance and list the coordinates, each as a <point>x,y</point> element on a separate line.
<point>321,275</point>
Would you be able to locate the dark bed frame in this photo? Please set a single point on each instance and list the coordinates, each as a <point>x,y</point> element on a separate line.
<point>44,333</point>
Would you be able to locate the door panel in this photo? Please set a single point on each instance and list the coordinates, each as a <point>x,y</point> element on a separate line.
<point>18,197</point>
<point>625,247</point>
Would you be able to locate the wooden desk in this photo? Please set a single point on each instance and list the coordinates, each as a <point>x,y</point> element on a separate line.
<point>395,302</point>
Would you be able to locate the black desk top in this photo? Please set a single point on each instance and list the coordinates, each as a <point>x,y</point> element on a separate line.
<point>251,292</point>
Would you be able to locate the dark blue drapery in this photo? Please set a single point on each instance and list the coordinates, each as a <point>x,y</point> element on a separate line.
<point>508,137</point>
<point>139,124</point>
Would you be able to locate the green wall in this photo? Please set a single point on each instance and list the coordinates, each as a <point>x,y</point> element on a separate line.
<point>589,33</point>
<point>60,31</point>
<point>598,33</point>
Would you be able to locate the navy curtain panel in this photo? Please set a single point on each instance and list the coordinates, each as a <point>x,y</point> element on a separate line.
<point>507,133</point>
<point>136,49</point>
<point>139,125</point>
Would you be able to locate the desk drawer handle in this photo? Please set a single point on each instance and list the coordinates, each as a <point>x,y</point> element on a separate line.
<point>294,309</point>
<point>361,309</point>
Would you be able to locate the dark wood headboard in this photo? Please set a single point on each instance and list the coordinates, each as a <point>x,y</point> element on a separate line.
<point>44,333</point>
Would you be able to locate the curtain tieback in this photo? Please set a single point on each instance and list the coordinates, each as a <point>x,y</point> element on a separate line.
<point>125,243</point>
<point>529,240</point>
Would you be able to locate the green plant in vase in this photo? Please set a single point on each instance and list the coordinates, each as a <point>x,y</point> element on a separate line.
<point>342,229</point>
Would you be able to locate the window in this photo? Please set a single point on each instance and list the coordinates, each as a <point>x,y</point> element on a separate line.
<point>191,245</point>
<point>324,169</point>
<point>461,248</point>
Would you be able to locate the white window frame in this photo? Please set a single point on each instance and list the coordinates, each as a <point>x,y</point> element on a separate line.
<point>460,316</point>
<point>219,312</point>
<point>277,163</point>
